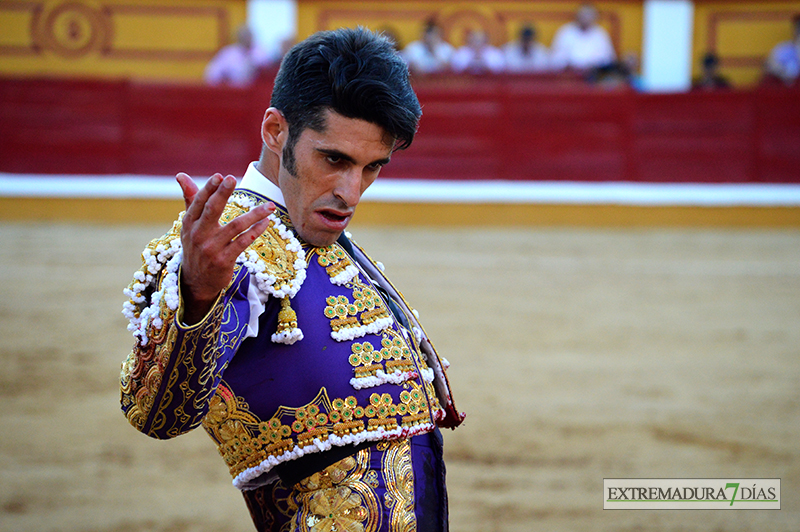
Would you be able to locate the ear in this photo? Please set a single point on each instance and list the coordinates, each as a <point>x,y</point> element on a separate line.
<point>274,131</point>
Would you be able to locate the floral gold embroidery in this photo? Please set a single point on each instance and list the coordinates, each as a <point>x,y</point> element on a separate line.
<point>336,262</point>
<point>337,498</point>
<point>336,509</point>
<point>244,441</point>
<point>393,363</point>
<point>365,314</point>
<point>277,262</point>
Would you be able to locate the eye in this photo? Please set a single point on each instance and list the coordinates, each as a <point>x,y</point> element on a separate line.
<point>333,159</point>
<point>374,167</point>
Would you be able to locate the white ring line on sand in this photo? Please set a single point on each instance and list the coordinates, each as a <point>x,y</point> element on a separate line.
<point>432,191</point>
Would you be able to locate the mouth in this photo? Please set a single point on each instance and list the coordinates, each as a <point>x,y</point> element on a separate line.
<point>335,219</point>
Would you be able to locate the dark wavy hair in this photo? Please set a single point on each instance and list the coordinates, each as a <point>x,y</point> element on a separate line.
<point>354,72</point>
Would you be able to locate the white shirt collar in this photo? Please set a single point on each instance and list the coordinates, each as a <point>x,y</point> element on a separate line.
<point>257,182</point>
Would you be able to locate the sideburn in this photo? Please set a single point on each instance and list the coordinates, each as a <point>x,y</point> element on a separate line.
<point>288,161</point>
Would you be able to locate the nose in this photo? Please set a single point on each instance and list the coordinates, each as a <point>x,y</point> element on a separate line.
<point>348,187</point>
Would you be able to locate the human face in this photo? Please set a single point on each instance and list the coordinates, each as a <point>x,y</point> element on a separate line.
<point>333,169</point>
<point>586,17</point>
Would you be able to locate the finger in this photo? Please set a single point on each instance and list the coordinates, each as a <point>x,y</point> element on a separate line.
<point>188,187</point>
<point>199,200</point>
<point>240,243</point>
<point>212,210</point>
<point>243,222</point>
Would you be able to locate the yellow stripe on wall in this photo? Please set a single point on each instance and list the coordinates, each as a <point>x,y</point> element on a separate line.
<point>741,34</point>
<point>431,214</point>
<point>137,39</point>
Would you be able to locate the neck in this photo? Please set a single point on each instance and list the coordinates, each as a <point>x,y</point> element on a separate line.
<point>269,165</point>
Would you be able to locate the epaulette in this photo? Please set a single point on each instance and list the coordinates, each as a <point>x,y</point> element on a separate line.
<point>277,262</point>
<point>275,259</point>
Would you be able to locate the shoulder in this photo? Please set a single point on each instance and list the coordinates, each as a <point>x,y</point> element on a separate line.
<point>567,29</point>
<point>414,47</point>
<point>785,48</point>
<point>445,46</point>
<point>600,32</point>
<point>276,258</point>
<point>228,52</point>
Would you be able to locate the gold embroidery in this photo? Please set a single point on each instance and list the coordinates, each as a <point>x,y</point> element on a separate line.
<point>365,314</point>
<point>269,246</point>
<point>394,355</point>
<point>399,478</point>
<point>144,370</point>
<point>334,259</point>
<point>337,498</point>
<point>276,261</point>
<point>371,478</point>
<point>140,374</point>
<point>244,441</point>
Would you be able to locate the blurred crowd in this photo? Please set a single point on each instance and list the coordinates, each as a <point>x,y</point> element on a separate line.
<point>582,47</point>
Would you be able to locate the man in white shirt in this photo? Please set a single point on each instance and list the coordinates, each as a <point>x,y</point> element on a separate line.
<point>238,64</point>
<point>526,54</point>
<point>478,56</point>
<point>784,59</point>
<point>582,44</point>
<point>430,54</point>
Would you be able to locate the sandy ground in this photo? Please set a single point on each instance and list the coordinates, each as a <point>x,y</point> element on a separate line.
<point>577,354</point>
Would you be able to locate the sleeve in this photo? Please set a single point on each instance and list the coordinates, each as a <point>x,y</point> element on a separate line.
<point>173,370</point>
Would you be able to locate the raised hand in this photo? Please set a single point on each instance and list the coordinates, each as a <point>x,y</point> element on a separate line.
<point>210,249</point>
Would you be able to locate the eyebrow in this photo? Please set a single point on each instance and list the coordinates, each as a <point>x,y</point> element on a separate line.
<point>345,157</point>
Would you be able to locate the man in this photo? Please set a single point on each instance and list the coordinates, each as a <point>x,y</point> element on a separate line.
<point>430,54</point>
<point>784,59</point>
<point>526,54</point>
<point>582,45</point>
<point>238,64</point>
<point>258,318</point>
<point>477,56</point>
<point>710,79</point>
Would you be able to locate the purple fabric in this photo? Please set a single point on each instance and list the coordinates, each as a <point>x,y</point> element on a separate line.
<point>430,489</point>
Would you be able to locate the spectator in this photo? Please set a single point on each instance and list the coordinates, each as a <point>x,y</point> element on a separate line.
<point>238,64</point>
<point>582,44</point>
<point>430,54</point>
<point>478,56</point>
<point>784,60</point>
<point>618,74</point>
<point>526,54</point>
<point>710,79</point>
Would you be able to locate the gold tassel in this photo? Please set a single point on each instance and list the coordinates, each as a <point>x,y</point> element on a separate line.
<point>287,317</point>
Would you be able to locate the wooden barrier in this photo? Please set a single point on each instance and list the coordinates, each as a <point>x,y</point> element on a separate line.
<point>503,127</point>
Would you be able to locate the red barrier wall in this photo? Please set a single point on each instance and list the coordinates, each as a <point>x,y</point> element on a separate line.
<point>472,128</point>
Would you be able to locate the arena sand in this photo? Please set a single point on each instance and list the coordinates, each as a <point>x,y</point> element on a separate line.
<point>577,354</point>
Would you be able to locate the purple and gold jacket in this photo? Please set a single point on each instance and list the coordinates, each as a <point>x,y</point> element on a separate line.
<point>300,353</point>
